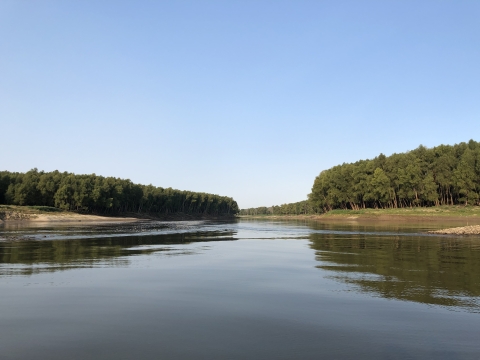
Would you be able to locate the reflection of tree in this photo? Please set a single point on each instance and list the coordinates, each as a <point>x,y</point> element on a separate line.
<point>423,269</point>
<point>26,257</point>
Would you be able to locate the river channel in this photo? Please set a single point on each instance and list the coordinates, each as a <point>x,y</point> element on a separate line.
<point>246,289</point>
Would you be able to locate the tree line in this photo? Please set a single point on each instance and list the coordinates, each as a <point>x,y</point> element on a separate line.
<point>442,175</point>
<point>298,208</point>
<point>105,195</point>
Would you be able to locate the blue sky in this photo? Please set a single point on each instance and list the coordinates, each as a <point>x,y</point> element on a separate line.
<point>250,99</point>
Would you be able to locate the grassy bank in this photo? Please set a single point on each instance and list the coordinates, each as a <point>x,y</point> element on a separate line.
<point>427,213</point>
<point>455,210</point>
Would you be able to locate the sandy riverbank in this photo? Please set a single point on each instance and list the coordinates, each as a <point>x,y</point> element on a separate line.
<point>61,217</point>
<point>10,214</point>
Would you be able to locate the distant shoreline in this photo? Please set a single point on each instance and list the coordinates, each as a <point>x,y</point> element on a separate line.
<point>441,213</point>
<point>31,214</point>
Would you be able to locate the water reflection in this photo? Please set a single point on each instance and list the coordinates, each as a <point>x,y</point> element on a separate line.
<point>388,260</point>
<point>426,269</point>
<point>32,256</point>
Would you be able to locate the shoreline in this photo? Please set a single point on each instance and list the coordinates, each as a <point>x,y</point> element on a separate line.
<point>367,217</point>
<point>37,215</point>
<point>24,215</point>
<point>71,218</point>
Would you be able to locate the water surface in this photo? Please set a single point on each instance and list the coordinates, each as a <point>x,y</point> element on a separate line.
<point>245,289</point>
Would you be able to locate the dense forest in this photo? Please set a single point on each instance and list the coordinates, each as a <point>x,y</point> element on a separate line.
<point>105,195</point>
<point>443,175</point>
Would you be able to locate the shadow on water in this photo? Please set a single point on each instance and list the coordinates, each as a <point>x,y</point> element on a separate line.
<point>32,256</point>
<point>425,269</point>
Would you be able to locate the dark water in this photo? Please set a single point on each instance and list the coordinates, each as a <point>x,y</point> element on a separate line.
<point>248,289</point>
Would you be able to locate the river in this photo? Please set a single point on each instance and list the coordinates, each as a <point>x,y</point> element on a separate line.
<point>253,289</point>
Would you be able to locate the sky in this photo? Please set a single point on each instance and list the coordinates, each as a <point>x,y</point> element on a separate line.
<point>248,99</point>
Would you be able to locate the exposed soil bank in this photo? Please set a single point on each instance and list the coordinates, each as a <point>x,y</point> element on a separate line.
<point>9,214</point>
<point>464,230</point>
<point>60,217</point>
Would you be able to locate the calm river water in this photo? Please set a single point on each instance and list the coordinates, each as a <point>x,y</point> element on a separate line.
<point>239,290</point>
